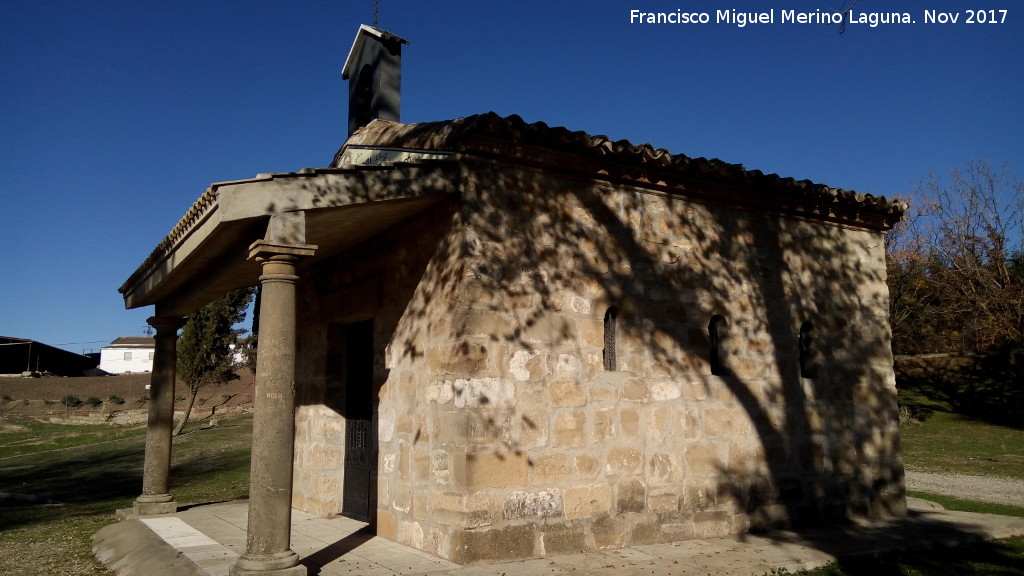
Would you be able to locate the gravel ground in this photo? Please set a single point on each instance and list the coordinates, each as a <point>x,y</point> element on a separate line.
<point>984,488</point>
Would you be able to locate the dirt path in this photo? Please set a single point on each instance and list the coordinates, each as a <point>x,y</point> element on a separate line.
<point>983,488</point>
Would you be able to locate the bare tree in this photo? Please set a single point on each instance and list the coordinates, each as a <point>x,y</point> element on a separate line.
<point>970,232</point>
<point>913,305</point>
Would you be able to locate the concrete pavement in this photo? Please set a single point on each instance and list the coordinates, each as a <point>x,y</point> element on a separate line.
<point>204,540</point>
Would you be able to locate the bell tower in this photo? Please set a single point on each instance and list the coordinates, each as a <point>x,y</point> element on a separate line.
<point>374,73</point>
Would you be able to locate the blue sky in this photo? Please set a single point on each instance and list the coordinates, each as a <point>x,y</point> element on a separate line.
<point>116,116</point>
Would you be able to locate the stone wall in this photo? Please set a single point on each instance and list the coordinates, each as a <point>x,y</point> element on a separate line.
<point>135,417</point>
<point>502,433</point>
<point>117,418</point>
<point>386,280</point>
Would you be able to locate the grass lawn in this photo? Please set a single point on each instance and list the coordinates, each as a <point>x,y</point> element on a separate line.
<point>85,483</point>
<point>79,475</point>
<point>953,444</point>
<point>961,505</point>
<point>24,436</point>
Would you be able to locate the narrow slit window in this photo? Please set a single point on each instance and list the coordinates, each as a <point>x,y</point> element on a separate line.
<point>610,321</point>
<point>808,351</point>
<point>716,340</point>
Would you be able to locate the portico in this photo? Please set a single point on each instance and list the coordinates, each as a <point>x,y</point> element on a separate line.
<point>266,230</point>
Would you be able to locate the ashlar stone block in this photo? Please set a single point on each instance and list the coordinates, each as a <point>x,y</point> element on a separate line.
<point>531,427</point>
<point>567,393</point>
<point>663,500</point>
<point>712,524</point>
<point>527,365</point>
<point>550,329</point>
<point>543,504</point>
<point>568,428</point>
<point>586,501</point>
<point>630,495</point>
<point>484,323</point>
<point>625,460</point>
<point>550,468</point>
<point>567,538</point>
<point>609,532</point>
<point>629,422</point>
<point>635,389</point>
<point>587,466</point>
<point>660,467</point>
<point>460,359</point>
<point>469,546</point>
<point>604,425</point>
<point>463,510</point>
<point>490,469</point>
<point>483,392</point>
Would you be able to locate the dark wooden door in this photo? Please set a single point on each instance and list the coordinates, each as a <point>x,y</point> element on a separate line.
<point>360,452</point>
<point>355,501</point>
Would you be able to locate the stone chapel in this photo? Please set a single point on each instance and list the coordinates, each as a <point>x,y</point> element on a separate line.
<point>494,339</point>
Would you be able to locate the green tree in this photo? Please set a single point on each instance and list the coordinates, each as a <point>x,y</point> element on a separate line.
<point>206,348</point>
<point>250,343</point>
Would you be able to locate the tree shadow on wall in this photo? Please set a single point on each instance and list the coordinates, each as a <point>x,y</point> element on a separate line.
<point>827,446</point>
<point>543,257</point>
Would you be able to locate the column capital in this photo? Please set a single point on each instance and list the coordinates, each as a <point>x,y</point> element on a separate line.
<point>265,250</point>
<point>166,323</point>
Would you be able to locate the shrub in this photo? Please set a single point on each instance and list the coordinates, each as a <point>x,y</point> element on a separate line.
<point>93,401</point>
<point>71,401</point>
<point>115,399</point>
<point>907,417</point>
<point>7,398</point>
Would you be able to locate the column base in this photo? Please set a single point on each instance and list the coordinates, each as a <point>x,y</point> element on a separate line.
<point>299,570</point>
<point>153,504</point>
<point>281,564</point>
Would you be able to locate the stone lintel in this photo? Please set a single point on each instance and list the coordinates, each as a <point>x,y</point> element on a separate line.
<point>267,249</point>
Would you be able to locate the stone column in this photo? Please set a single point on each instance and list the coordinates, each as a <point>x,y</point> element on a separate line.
<point>268,539</point>
<point>156,497</point>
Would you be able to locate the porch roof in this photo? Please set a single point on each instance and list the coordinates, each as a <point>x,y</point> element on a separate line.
<point>206,254</point>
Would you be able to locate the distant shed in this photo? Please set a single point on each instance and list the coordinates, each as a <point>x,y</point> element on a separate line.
<point>19,355</point>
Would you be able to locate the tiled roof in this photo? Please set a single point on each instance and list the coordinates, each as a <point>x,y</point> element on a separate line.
<point>135,341</point>
<point>195,213</point>
<point>506,137</point>
<point>459,136</point>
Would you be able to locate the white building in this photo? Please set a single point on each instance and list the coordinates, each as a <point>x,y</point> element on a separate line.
<point>128,354</point>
